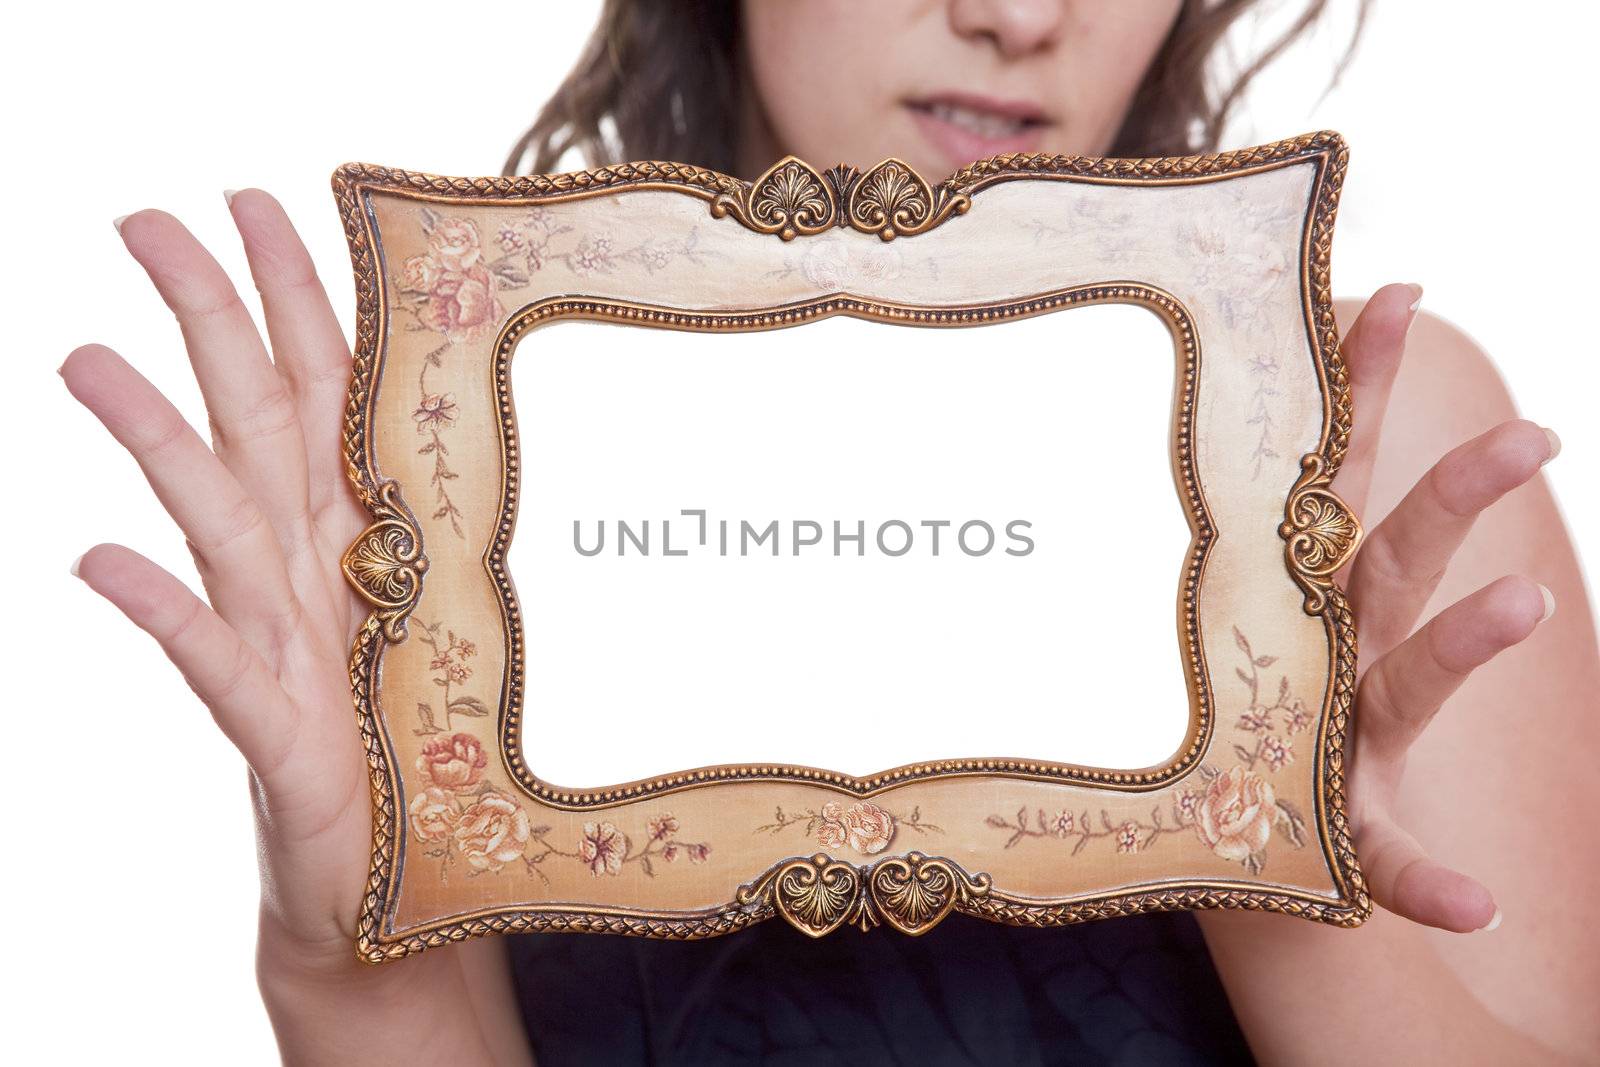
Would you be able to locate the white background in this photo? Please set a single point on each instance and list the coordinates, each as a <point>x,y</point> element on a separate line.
<point>130,885</point>
<point>728,658</point>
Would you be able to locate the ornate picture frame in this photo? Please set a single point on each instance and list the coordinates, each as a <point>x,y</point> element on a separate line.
<point>1231,251</point>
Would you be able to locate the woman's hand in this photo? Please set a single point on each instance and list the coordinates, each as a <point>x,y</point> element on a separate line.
<point>267,512</point>
<point>1407,672</point>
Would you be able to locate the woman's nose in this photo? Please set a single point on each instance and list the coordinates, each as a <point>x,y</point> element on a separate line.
<point>1016,27</point>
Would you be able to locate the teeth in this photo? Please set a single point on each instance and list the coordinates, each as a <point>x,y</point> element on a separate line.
<point>982,123</point>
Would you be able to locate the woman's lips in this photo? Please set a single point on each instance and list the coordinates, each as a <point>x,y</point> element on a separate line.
<point>966,128</point>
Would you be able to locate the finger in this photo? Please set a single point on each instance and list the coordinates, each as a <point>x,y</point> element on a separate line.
<point>255,427</point>
<point>221,668</point>
<point>1405,688</point>
<point>308,344</point>
<point>1404,557</point>
<point>234,546</point>
<point>1372,351</point>
<point>1405,881</point>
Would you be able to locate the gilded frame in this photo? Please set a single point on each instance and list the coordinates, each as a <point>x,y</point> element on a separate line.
<point>475,801</point>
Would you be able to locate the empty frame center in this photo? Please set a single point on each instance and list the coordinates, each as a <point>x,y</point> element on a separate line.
<point>849,545</point>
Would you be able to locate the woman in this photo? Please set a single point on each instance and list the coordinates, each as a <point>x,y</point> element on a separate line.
<point>937,82</point>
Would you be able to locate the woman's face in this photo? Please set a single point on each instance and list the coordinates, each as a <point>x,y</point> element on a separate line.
<point>941,83</point>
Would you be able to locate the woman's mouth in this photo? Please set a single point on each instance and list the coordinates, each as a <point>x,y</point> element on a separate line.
<point>964,128</point>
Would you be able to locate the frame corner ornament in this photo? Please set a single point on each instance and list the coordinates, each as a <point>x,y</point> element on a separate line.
<point>1320,532</point>
<point>818,894</point>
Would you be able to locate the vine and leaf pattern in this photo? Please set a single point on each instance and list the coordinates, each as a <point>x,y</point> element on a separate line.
<point>451,290</point>
<point>606,850</point>
<point>1225,255</point>
<point>450,668</point>
<point>1263,370</point>
<point>1287,713</point>
<point>1234,814</point>
<point>864,826</point>
<point>1132,835</point>
<point>462,819</point>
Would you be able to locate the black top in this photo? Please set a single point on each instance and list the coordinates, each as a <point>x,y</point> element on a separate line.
<point>1134,990</point>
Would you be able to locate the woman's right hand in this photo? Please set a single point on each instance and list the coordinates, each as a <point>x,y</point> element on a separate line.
<point>267,512</point>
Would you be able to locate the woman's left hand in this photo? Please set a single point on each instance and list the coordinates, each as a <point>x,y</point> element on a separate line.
<point>1407,672</point>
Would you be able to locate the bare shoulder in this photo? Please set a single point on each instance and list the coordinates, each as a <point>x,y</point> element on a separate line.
<point>1436,343</point>
<point>1449,389</point>
<point>1539,757</point>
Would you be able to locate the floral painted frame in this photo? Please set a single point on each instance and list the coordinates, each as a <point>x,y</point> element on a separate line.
<point>1230,250</point>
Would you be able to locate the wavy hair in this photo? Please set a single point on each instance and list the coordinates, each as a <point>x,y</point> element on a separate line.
<point>659,80</point>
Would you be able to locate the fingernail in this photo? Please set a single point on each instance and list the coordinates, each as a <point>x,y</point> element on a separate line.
<point>1555,444</point>
<point>1549,601</point>
<point>1416,297</point>
<point>1494,923</point>
<point>118,221</point>
<point>229,194</point>
<point>74,567</point>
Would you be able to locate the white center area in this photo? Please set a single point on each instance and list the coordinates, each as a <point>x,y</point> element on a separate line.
<point>839,654</point>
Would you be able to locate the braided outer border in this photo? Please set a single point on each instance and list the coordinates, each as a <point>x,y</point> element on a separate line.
<point>1356,904</point>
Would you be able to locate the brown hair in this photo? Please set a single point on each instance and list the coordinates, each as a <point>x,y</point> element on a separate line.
<point>660,81</point>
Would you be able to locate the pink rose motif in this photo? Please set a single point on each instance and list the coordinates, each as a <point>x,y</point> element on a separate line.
<point>419,274</point>
<point>454,244</point>
<point>662,825</point>
<point>462,306</point>
<point>698,853</point>
<point>865,827</point>
<point>831,833</point>
<point>1235,816</point>
<point>1128,837</point>
<point>453,762</point>
<point>603,848</point>
<point>868,828</point>
<point>433,814</point>
<point>492,832</point>
<point>1061,825</point>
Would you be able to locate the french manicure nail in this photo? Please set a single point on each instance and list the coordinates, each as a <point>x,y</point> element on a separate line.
<point>229,194</point>
<point>118,221</point>
<point>74,567</point>
<point>1555,444</point>
<point>1416,297</point>
<point>1494,923</point>
<point>1549,601</point>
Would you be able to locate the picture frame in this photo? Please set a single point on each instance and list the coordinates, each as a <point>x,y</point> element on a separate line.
<point>1231,250</point>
